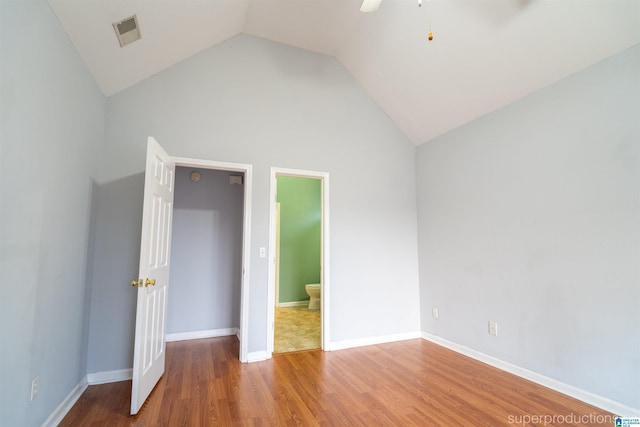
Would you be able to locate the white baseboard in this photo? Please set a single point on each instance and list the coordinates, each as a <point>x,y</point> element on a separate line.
<point>65,406</point>
<point>360,342</point>
<point>109,376</point>
<point>293,304</point>
<point>585,396</point>
<point>256,356</point>
<point>196,335</point>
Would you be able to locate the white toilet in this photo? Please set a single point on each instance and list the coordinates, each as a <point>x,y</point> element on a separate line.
<point>313,290</point>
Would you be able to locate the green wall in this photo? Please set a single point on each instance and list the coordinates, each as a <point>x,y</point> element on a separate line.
<point>300,215</point>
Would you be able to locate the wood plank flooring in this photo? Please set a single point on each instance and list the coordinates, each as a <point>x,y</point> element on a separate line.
<point>408,383</point>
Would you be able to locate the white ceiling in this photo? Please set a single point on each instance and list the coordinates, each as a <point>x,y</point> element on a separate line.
<point>485,53</point>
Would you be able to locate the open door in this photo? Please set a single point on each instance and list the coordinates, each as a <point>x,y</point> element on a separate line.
<point>153,276</point>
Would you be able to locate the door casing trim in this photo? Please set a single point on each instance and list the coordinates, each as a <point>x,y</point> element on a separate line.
<point>247,169</point>
<point>325,310</point>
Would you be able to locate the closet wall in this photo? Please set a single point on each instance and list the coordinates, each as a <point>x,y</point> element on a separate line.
<point>206,252</point>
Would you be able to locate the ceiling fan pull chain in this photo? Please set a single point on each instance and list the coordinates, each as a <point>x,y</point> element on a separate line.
<point>430,36</point>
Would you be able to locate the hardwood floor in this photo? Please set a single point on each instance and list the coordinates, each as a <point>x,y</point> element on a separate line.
<point>406,383</point>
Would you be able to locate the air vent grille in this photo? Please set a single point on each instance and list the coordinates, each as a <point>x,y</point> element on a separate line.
<point>127,30</point>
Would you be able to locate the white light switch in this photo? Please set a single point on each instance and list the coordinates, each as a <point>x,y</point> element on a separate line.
<point>263,252</point>
<point>493,328</point>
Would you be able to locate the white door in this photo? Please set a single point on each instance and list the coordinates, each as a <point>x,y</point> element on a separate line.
<point>153,276</point>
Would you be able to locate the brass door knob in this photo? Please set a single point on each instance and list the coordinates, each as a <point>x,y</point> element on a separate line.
<point>145,283</point>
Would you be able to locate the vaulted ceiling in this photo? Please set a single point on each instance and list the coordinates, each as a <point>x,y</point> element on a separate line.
<point>485,53</point>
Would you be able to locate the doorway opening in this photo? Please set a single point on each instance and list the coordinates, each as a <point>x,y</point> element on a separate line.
<point>206,254</point>
<point>232,216</point>
<point>298,268</point>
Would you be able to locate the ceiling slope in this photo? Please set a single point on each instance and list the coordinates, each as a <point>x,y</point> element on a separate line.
<point>171,32</point>
<point>485,53</point>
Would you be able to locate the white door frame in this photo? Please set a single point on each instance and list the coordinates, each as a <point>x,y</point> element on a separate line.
<point>324,258</point>
<point>276,253</point>
<point>246,238</point>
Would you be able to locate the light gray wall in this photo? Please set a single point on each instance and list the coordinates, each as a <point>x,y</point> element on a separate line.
<point>113,301</point>
<point>206,252</point>
<point>51,131</point>
<point>530,216</point>
<point>248,100</point>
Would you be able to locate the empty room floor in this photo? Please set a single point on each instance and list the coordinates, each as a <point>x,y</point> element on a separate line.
<point>412,382</point>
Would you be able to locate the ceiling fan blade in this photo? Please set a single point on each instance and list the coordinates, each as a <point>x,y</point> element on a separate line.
<point>370,5</point>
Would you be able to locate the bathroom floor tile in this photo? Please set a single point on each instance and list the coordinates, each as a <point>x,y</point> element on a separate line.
<point>296,328</point>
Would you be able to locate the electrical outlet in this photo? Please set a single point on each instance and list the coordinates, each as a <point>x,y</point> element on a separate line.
<point>35,385</point>
<point>493,328</point>
<point>263,252</point>
<point>434,312</point>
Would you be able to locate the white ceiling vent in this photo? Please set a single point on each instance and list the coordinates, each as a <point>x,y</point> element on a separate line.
<point>127,30</point>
